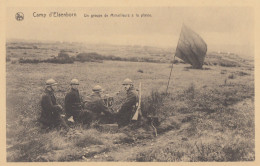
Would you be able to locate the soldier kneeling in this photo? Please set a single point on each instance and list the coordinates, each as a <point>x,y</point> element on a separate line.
<point>74,106</point>
<point>128,108</point>
<point>51,115</point>
<point>95,104</point>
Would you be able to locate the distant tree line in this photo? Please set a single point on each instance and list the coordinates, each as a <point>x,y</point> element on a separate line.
<point>64,58</point>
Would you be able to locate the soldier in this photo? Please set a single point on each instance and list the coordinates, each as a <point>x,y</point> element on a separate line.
<point>97,107</point>
<point>51,115</point>
<point>128,108</point>
<point>73,104</point>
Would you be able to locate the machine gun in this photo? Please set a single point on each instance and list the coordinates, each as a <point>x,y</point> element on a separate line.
<point>108,100</point>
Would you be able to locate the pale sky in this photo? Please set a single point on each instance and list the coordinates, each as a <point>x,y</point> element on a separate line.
<point>218,26</point>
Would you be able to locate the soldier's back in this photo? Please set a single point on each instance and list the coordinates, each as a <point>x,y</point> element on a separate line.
<point>92,101</point>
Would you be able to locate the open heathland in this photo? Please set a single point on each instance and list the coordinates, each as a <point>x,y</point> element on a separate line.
<point>208,115</point>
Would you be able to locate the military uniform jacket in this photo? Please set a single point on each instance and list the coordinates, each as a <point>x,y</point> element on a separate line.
<point>131,100</point>
<point>96,104</point>
<point>50,109</point>
<point>72,103</point>
<point>126,111</point>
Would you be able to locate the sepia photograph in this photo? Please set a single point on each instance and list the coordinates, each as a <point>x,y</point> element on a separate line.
<point>130,84</point>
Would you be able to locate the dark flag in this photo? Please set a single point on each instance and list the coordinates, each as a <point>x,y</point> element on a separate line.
<point>191,48</point>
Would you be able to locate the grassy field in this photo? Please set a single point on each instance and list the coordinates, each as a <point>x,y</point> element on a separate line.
<point>208,115</point>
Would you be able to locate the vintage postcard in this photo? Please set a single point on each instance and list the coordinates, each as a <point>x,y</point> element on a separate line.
<point>137,82</point>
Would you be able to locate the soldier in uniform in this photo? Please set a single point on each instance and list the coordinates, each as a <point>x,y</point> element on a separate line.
<point>74,105</point>
<point>51,115</point>
<point>95,104</point>
<point>128,108</point>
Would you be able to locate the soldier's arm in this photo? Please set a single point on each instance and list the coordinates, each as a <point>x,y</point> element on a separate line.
<point>103,107</point>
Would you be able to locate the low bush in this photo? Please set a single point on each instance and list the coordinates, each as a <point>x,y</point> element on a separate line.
<point>144,59</point>
<point>151,104</point>
<point>62,58</point>
<point>33,61</point>
<point>231,76</point>
<point>190,91</point>
<point>241,73</point>
<point>59,60</point>
<point>133,59</point>
<point>140,71</point>
<point>114,58</point>
<point>63,55</point>
<point>20,47</point>
<point>89,57</point>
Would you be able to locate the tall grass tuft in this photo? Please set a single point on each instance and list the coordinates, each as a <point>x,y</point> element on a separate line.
<point>190,91</point>
<point>151,104</point>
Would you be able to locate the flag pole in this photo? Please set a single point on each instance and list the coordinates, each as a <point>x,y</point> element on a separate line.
<point>170,74</point>
<point>173,62</point>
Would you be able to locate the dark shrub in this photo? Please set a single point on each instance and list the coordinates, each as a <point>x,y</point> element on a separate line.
<point>59,60</point>
<point>89,57</point>
<point>112,57</point>
<point>133,59</point>
<point>140,71</point>
<point>241,73</point>
<point>152,103</point>
<point>19,47</point>
<point>33,61</point>
<point>63,58</point>
<point>190,91</point>
<point>231,76</point>
<point>64,55</point>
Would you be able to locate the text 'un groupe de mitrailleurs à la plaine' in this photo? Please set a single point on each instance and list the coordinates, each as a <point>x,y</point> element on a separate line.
<point>89,15</point>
